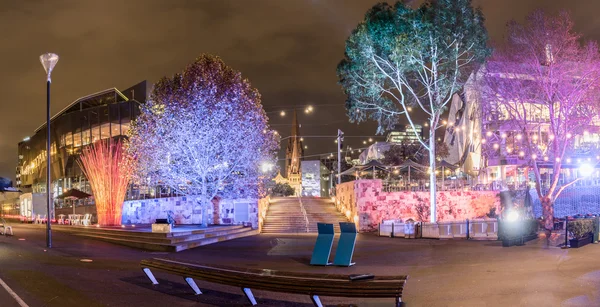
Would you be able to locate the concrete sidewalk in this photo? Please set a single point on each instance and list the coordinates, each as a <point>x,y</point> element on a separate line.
<point>442,273</point>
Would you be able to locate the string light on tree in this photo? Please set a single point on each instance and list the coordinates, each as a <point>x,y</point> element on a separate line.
<point>193,145</point>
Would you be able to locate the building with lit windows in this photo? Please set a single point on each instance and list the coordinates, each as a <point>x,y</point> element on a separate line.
<point>488,147</point>
<point>102,115</point>
<point>408,135</point>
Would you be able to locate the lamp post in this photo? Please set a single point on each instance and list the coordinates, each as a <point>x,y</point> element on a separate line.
<point>48,60</point>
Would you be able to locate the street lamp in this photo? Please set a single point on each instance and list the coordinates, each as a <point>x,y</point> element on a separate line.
<point>48,60</point>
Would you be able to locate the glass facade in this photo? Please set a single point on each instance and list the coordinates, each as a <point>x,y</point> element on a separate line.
<point>102,115</point>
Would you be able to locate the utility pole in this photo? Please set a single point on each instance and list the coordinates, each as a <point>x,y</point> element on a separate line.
<point>340,139</point>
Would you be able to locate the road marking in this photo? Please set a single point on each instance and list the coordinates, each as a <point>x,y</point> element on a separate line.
<point>13,294</point>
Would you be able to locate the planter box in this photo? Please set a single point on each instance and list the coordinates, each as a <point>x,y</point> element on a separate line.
<point>577,243</point>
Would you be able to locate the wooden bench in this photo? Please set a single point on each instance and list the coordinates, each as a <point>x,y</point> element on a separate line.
<point>311,284</point>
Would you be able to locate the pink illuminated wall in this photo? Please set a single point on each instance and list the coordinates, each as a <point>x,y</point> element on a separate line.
<point>366,200</point>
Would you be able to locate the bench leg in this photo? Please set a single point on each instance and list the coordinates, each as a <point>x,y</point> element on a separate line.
<point>316,300</point>
<point>190,281</point>
<point>249,295</point>
<point>399,302</point>
<point>150,276</point>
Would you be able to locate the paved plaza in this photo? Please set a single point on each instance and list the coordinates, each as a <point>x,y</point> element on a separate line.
<point>442,273</point>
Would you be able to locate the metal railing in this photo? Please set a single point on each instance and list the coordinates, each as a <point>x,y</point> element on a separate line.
<point>482,229</point>
<point>304,214</point>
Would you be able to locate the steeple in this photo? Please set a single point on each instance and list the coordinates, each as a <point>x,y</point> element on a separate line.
<point>295,125</point>
<point>294,151</point>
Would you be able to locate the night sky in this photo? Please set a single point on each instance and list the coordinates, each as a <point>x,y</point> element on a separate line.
<point>288,49</point>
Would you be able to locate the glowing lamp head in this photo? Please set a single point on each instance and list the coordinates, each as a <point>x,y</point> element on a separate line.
<point>512,216</point>
<point>496,146</point>
<point>586,170</point>
<point>49,60</point>
<point>489,133</point>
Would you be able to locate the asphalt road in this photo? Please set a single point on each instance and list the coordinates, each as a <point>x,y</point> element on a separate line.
<point>442,273</point>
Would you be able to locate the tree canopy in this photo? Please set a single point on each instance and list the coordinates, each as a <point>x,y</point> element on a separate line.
<point>399,57</point>
<point>204,133</point>
<point>542,83</point>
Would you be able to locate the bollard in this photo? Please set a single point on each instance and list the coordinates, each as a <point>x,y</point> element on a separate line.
<point>467,229</point>
<point>596,228</point>
<point>566,232</point>
<point>392,234</point>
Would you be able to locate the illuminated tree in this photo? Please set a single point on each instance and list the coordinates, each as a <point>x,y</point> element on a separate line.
<point>104,165</point>
<point>203,133</point>
<point>542,90</point>
<point>398,58</point>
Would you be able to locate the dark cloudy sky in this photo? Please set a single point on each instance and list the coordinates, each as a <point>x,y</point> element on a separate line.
<point>288,49</point>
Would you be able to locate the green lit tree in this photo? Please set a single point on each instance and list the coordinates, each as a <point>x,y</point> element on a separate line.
<point>398,58</point>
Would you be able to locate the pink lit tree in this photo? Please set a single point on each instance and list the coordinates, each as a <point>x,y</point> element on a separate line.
<point>541,91</point>
<point>203,133</point>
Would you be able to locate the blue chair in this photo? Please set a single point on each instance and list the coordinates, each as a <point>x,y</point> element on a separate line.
<point>322,250</point>
<point>345,248</point>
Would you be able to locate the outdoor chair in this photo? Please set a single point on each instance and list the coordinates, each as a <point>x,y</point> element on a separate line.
<point>87,219</point>
<point>6,229</point>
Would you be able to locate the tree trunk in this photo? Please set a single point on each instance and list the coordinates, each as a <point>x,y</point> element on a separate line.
<point>205,202</point>
<point>432,184</point>
<point>548,213</point>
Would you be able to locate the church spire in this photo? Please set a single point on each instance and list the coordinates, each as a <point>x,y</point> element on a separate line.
<point>295,125</point>
<point>294,150</point>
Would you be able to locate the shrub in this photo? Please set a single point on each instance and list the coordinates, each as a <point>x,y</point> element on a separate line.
<point>492,214</point>
<point>580,228</point>
<point>283,189</point>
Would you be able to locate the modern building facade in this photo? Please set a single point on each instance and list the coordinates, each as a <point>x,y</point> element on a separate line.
<point>315,179</point>
<point>102,115</point>
<point>487,146</point>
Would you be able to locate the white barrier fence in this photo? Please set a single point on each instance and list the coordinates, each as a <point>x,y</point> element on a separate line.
<point>477,229</point>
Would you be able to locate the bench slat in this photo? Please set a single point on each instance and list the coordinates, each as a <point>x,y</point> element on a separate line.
<point>281,283</point>
<point>269,272</point>
<point>283,279</point>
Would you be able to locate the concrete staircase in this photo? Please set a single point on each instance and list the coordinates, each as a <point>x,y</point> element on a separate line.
<point>185,237</point>
<point>285,215</point>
